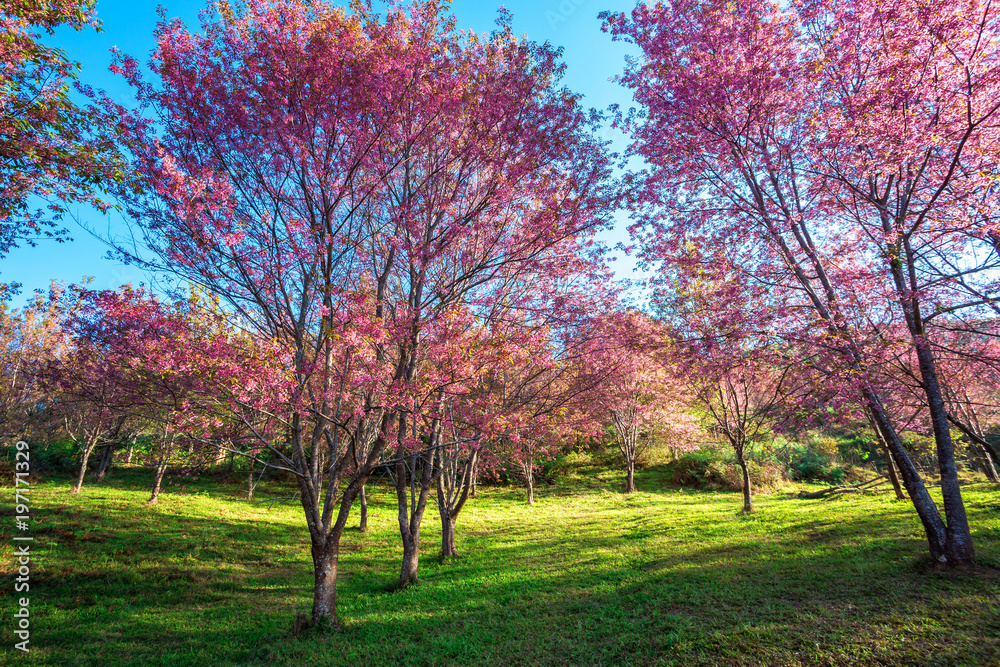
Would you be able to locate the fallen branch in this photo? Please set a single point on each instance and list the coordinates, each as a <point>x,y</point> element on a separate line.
<point>270,501</point>
<point>834,491</point>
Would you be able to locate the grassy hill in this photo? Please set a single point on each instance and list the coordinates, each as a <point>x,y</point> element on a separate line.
<point>588,576</point>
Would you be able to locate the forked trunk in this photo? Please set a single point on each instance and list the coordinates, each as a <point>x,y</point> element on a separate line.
<point>890,463</point>
<point>959,549</point>
<point>956,542</point>
<point>412,502</point>
<point>85,457</point>
<point>161,468</point>
<point>927,511</point>
<point>106,456</point>
<point>454,484</point>
<point>893,476</point>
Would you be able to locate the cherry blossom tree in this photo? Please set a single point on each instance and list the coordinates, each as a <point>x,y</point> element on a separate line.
<point>30,337</point>
<point>50,147</point>
<point>920,187</point>
<point>630,389</point>
<point>345,184</point>
<point>837,153</point>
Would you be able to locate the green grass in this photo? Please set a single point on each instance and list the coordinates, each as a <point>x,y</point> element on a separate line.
<point>588,576</point>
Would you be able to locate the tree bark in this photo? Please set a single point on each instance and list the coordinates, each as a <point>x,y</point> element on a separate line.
<point>454,485</point>
<point>890,463</point>
<point>85,457</point>
<point>363,523</point>
<point>927,511</point>
<point>129,451</point>
<point>106,456</point>
<point>891,470</point>
<point>630,477</point>
<point>959,551</point>
<point>325,564</point>
<point>408,571</point>
<point>161,468</point>
<point>529,478</point>
<point>747,498</point>
<point>325,529</point>
<point>984,461</point>
<point>448,536</point>
<point>250,479</point>
<point>411,507</point>
<point>475,479</point>
<point>990,450</point>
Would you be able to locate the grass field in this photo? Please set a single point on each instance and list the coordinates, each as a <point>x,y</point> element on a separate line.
<point>588,576</point>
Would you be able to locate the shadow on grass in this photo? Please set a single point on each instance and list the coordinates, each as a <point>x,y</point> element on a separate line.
<point>658,578</point>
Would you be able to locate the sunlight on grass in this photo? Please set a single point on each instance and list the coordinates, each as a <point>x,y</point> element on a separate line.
<point>592,577</point>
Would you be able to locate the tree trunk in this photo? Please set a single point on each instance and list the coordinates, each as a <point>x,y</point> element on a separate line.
<point>982,459</point>
<point>959,551</point>
<point>990,450</point>
<point>890,463</point>
<point>411,559</point>
<point>934,527</point>
<point>106,456</point>
<point>630,477</point>
<point>129,451</point>
<point>324,609</point>
<point>957,540</point>
<point>411,512</point>
<point>893,476</point>
<point>988,467</point>
<point>250,479</point>
<point>363,524</point>
<point>161,468</point>
<point>454,483</point>
<point>448,536</point>
<point>325,531</point>
<point>747,501</point>
<point>85,457</point>
<point>529,478</point>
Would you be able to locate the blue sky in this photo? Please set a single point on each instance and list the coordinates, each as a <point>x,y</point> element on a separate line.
<point>591,57</point>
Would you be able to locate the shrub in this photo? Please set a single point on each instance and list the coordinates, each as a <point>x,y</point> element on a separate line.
<point>717,469</point>
<point>59,457</point>
<point>702,469</point>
